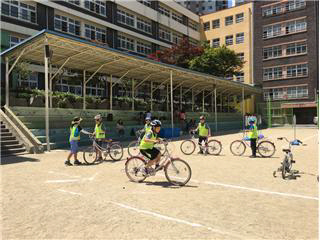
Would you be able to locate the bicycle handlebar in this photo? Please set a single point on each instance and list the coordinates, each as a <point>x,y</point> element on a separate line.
<point>294,142</point>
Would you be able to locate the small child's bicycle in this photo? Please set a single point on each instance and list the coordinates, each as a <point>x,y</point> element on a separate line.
<point>176,170</point>
<point>212,146</point>
<point>111,148</point>
<point>288,161</point>
<point>265,148</point>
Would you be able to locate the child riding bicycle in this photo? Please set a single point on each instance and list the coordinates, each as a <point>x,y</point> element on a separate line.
<point>204,132</point>
<point>147,146</point>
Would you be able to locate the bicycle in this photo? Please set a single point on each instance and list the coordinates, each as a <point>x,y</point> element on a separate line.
<point>177,171</point>
<point>133,147</point>
<point>265,148</point>
<point>113,149</point>
<point>213,146</point>
<point>288,161</point>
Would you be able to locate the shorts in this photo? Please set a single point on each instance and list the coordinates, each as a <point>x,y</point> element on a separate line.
<point>202,138</point>
<point>99,142</point>
<point>74,146</point>
<point>150,153</point>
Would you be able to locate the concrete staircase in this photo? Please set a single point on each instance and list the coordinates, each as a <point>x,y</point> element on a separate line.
<point>9,144</point>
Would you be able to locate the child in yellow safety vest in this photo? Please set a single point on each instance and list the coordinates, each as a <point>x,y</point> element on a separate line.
<point>75,130</point>
<point>99,133</point>
<point>204,132</point>
<point>253,135</point>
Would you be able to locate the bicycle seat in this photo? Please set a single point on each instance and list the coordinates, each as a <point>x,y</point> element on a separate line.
<point>286,150</point>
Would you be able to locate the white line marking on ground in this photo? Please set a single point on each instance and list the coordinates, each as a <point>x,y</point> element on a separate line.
<point>74,193</point>
<point>310,137</point>
<point>92,177</point>
<point>62,181</point>
<point>262,191</point>
<point>175,219</point>
<point>58,173</point>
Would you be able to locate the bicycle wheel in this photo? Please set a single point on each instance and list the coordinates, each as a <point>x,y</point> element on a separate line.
<point>214,147</point>
<point>187,147</point>
<point>89,155</point>
<point>161,148</point>
<point>284,168</point>
<point>178,172</point>
<point>266,148</point>
<point>237,147</point>
<point>116,152</point>
<point>133,148</point>
<point>133,168</point>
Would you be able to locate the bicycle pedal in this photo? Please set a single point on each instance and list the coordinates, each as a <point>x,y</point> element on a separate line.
<point>293,161</point>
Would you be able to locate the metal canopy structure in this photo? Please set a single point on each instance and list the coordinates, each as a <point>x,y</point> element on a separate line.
<point>91,58</point>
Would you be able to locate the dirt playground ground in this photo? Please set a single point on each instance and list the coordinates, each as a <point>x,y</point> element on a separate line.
<point>228,197</point>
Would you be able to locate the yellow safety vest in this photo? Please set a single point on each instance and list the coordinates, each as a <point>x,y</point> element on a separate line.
<point>254,132</point>
<point>99,133</point>
<point>72,134</point>
<point>203,131</point>
<point>147,145</point>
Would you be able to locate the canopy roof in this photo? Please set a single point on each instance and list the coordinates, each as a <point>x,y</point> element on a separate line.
<point>80,54</point>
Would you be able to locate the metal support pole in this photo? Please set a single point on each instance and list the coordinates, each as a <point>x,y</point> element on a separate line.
<point>133,94</point>
<point>167,98</point>
<point>215,112</point>
<point>243,110</point>
<point>192,100</point>
<point>151,96</point>
<point>84,89</point>
<point>180,96</point>
<point>111,92</point>
<point>50,86</point>
<point>171,101</point>
<point>203,102</point>
<point>46,101</point>
<point>7,82</point>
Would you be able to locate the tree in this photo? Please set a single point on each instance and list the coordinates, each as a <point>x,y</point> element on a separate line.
<point>179,54</point>
<point>220,61</point>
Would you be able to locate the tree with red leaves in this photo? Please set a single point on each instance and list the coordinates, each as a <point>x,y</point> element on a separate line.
<point>179,54</point>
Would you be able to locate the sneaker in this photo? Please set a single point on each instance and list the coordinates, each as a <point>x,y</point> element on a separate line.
<point>207,152</point>
<point>253,156</point>
<point>77,162</point>
<point>68,163</point>
<point>200,152</point>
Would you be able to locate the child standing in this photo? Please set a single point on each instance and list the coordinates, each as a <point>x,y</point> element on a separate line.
<point>75,130</point>
<point>204,132</point>
<point>253,136</point>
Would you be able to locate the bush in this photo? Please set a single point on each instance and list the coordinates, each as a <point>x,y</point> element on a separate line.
<point>89,99</point>
<point>62,103</point>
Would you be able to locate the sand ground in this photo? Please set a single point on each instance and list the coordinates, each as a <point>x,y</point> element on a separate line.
<point>228,197</point>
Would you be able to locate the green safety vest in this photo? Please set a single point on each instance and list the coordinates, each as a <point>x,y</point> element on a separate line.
<point>147,127</point>
<point>72,135</point>
<point>147,145</point>
<point>99,133</point>
<point>202,130</point>
<point>254,133</point>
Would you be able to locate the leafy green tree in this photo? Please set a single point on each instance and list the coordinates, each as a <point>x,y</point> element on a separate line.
<point>220,61</point>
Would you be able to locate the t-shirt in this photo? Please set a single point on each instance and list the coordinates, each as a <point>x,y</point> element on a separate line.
<point>182,116</point>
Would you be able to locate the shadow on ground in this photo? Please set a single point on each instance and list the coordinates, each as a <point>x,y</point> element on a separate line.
<point>165,184</point>
<point>12,159</point>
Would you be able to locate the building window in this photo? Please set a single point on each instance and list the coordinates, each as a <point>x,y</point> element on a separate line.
<point>94,33</point>
<point>240,77</point>
<point>75,2</point>
<point>14,40</point>
<point>206,26</point>
<point>295,4</point>
<point>126,18</point>
<point>193,42</point>
<point>273,73</point>
<point>19,10</point>
<point>94,90</point>
<point>296,26</point>
<point>164,34</point>
<point>164,11</point>
<point>210,7</point>
<point>278,93</point>
<point>302,91</point>
<point>239,38</point>
<point>229,40</point>
<point>126,43</point>
<point>241,56</point>
<point>193,25</point>
<point>177,17</point>
<point>31,81</point>
<point>296,48</point>
<point>143,25</point>
<point>96,6</point>
<point>216,42</point>
<point>216,23</point>
<point>272,31</point>
<point>297,70</point>
<point>228,20</point>
<point>272,52</point>
<point>239,17</point>
<point>145,2</point>
<point>143,48</point>
<point>67,25</point>
<point>177,38</point>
